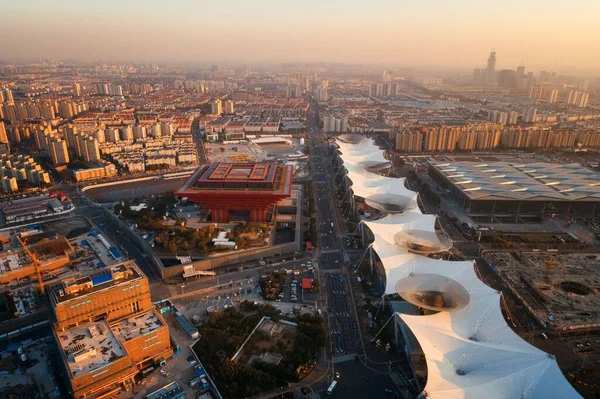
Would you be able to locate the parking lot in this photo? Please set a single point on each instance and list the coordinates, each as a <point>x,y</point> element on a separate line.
<point>198,308</point>
<point>292,287</point>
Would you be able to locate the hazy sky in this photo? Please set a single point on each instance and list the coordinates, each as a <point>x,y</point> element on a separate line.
<point>444,33</point>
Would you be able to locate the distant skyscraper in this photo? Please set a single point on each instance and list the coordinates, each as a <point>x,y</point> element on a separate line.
<point>387,76</point>
<point>521,70</point>
<point>477,74</point>
<point>76,89</point>
<point>491,67</point>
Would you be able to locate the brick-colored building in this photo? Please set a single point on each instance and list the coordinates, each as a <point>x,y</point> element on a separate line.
<point>116,292</point>
<point>145,337</point>
<point>107,329</point>
<point>96,362</point>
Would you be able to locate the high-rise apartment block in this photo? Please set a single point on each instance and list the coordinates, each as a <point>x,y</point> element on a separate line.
<point>3,135</point>
<point>578,98</point>
<point>332,123</point>
<point>216,107</point>
<point>485,136</point>
<point>553,96</point>
<point>112,135</point>
<point>322,93</point>
<point>139,132</point>
<point>537,92</point>
<point>7,95</point>
<point>58,151</point>
<point>229,109</point>
<point>107,329</point>
<point>490,71</point>
<point>529,115</point>
<point>108,89</point>
<point>409,141</point>
<point>90,149</point>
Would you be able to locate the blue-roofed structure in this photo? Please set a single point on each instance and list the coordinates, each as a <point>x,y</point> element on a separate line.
<point>114,252</point>
<point>103,278</point>
<point>188,326</point>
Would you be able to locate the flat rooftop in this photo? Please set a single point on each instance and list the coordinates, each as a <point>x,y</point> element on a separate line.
<point>89,347</point>
<point>566,297</point>
<point>532,181</point>
<point>260,178</point>
<point>108,277</point>
<point>135,326</point>
<point>11,261</point>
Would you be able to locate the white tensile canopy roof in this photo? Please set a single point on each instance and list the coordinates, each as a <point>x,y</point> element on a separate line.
<point>463,368</point>
<point>470,350</point>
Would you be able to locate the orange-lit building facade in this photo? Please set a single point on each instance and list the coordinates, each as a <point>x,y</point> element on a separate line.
<point>117,292</point>
<point>145,337</point>
<point>107,330</point>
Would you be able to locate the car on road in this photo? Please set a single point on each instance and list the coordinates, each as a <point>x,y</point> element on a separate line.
<point>164,373</point>
<point>337,374</point>
<point>387,390</point>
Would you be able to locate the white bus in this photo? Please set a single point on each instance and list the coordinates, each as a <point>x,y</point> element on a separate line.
<point>331,387</point>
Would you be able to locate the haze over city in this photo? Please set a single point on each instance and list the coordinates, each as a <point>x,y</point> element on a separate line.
<point>556,35</point>
<point>386,199</point>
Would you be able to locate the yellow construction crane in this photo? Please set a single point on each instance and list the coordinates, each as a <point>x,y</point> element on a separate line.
<point>550,264</point>
<point>36,264</point>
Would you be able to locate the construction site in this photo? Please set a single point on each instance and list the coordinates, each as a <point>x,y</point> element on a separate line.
<point>559,291</point>
<point>40,254</point>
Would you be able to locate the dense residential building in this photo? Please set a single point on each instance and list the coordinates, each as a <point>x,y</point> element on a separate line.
<point>229,108</point>
<point>216,107</point>
<point>58,151</point>
<point>94,173</point>
<point>3,135</point>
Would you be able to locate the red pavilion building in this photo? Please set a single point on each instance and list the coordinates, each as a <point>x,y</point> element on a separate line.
<point>238,191</point>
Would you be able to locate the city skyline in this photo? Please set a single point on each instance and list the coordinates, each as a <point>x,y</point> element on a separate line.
<point>458,35</point>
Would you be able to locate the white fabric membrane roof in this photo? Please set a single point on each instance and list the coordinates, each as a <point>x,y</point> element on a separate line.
<point>470,350</point>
